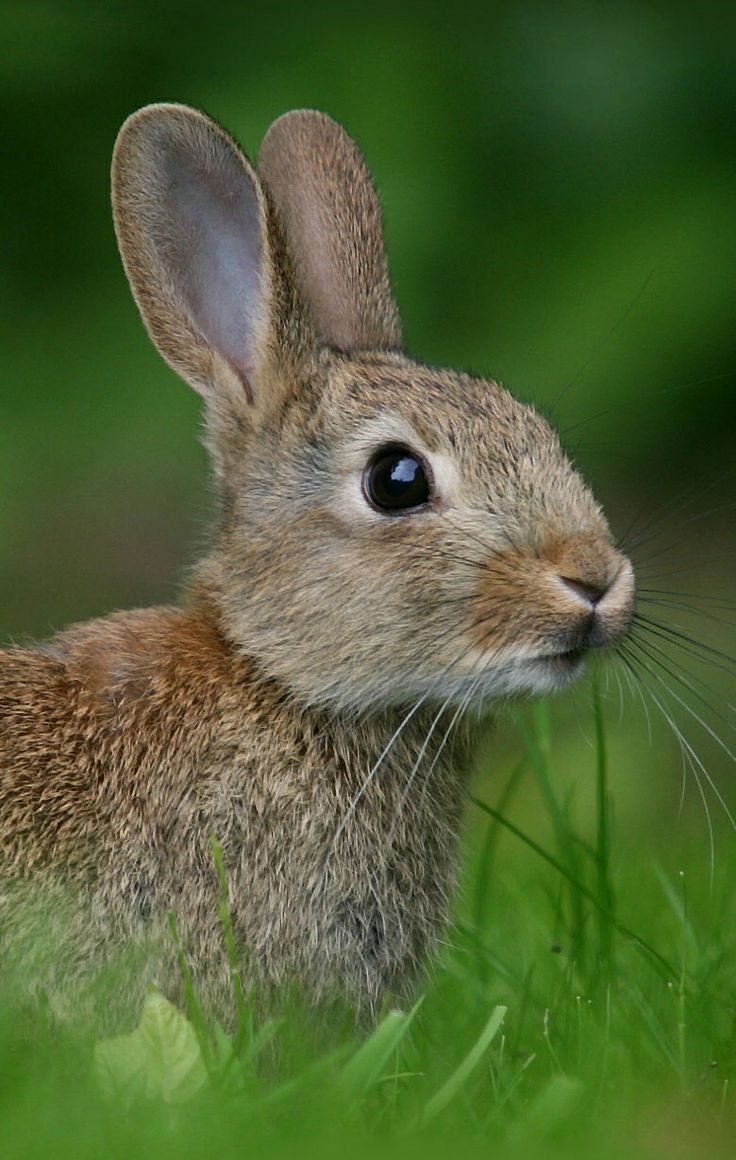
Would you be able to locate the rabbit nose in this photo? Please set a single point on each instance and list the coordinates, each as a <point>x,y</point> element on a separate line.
<point>589,593</point>
<point>587,567</point>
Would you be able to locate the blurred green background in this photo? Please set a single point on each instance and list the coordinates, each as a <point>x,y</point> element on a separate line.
<point>559,190</point>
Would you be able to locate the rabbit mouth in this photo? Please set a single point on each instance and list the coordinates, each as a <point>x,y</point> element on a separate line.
<point>569,658</point>
<point>562,666</point>
<point>547,672</point>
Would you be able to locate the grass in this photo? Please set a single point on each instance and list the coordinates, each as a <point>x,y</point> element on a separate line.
<point>583,1005</point>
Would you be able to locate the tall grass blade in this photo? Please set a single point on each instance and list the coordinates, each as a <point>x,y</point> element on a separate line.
<point>549,1111</point>
<point>191,1002</point>
<point>242,1007</point>
<point>538,744</point>
<point>482,895</point>
<point>462,1073</point>
<point>606,900</point>
<point>365,1067</point>
<point>665,967</point>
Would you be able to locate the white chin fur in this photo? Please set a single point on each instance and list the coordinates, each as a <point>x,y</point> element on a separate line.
<point>527,676</point>
<point>545,676</point>
<point>519,677</point>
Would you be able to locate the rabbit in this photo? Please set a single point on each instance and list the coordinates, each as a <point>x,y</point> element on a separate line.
<point>395,545</point>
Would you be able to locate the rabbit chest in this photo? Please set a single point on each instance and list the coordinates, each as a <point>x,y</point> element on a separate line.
<point>339,860</point>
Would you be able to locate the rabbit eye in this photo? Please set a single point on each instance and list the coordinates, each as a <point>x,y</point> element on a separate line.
<point>395,480</point>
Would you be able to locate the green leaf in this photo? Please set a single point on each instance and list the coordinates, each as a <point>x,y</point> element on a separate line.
<point>160,1060</point>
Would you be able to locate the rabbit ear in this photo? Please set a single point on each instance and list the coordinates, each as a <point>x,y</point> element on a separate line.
<point>328,206</point>
<point>192,226</point>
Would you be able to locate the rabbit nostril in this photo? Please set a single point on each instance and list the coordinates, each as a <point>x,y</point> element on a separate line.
<point>590,593</point>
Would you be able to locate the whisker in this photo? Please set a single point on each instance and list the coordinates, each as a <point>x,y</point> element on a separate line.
<point>615,672</point>
<point>374,769</point>
<point>463,531</point>
<point>651,395</point>
<point>424,747</point>
<point>682,524</point>
<point>658,656</point>
<point>445,554</point>
<point>665,514</point>
<point>654,635</point>
<point>635,687</point>
<point>624,540</point>
<point>695,764</point>
<point>697,648</point>
<point>602,343</point>
<point>720,601</point>
<point>367,781</point>
<point>460,709</point>
<point>686,569</point>
<point>688,608</point>
<point>688,754</point>
<point>688,708</point>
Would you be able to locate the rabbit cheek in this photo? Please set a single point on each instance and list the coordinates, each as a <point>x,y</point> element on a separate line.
<point>506,616</point>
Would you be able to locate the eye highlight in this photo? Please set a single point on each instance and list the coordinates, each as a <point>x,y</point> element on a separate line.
<point>396,481</point>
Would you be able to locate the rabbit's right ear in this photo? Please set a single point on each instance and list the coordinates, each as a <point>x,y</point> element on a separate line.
<point>193,229</point>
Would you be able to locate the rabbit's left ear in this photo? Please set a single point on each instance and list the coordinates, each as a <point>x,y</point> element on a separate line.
<point>201,252</point>
<point>331,217</point>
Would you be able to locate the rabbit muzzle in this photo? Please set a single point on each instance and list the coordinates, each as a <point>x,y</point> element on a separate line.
<point>545,609</point>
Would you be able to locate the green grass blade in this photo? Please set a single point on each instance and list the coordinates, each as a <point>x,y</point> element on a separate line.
<point>362,1071</point>
<point>462,1073</point>
<point>551,1108</point>
<point>482,895</point>
<point>242,1006</point>
<point>191,1003</point>
<point>538,745</point>
<point>666,968</point>
<point>607,904</point>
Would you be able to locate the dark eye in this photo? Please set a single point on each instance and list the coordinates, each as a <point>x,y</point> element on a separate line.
<point>395,480</point>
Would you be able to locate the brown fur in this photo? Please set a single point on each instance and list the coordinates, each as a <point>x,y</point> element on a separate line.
<point>297,704</point>
<point>144,735</point>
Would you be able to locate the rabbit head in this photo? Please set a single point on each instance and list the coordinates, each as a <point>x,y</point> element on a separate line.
<point>388,531</point>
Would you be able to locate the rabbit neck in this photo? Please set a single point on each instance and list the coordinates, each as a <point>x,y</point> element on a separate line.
<point>354,823</point>
<point>404,747</point>
<point>339,834</point>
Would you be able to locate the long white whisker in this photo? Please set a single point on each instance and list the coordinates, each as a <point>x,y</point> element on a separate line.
<point>689,644</point>
<point>659,657</point>
<point>410,780</point>
<point>460,710</point>
<point>693,760</point>
<point>391,742</point>
<point>688,709</point>
<point>635,687</point>
<point>376,766</point>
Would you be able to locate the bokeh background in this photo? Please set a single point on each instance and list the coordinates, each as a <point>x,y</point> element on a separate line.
<point>559,190</point>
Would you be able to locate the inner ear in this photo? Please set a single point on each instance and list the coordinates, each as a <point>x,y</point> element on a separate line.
<point>213,240</point>
<point>191,221</point>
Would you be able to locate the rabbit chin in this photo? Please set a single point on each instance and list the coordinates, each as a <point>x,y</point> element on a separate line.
<point>525,676</point>
<point>480,685</point>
